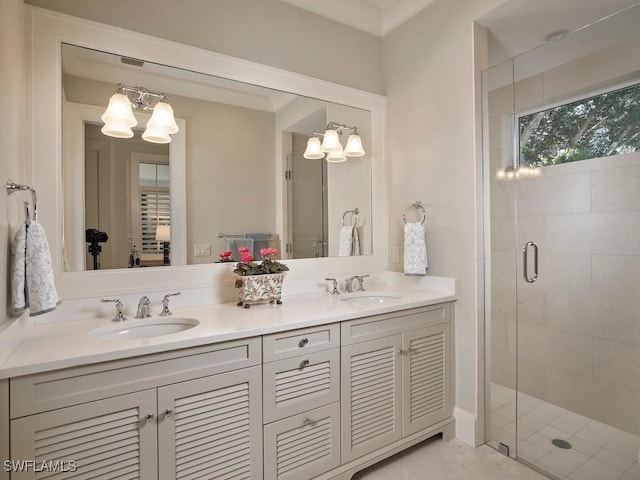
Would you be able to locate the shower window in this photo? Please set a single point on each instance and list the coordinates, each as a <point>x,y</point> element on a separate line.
<point>593,127</point>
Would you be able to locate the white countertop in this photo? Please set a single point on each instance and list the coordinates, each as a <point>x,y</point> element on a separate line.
<point>47,347</point>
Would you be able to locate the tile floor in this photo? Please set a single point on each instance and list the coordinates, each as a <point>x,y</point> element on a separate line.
<point>599,451</point>
<point>453,460</point>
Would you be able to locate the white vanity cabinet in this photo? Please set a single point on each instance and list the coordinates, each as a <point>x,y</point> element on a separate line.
<point>396,377</point>
<point>162,416</point>
<point>301,402</point>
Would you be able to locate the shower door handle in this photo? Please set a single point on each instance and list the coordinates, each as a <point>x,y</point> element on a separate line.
<point>525,260</point>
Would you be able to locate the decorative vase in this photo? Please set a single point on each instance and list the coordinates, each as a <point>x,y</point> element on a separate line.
<point>259,288</point>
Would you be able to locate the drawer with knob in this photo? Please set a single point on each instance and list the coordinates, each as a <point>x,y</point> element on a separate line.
<point>300,342</point>
<point>294,385</point>
<point>304,445</point>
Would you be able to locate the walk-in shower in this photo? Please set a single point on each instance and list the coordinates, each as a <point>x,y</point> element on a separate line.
<point>561,129</point>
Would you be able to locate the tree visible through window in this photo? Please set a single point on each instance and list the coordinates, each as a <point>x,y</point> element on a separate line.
<point>598,126</point>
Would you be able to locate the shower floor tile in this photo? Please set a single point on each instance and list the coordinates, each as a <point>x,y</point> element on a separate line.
<point>599,451</point>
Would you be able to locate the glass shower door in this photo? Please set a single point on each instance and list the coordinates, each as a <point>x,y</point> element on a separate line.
<point>562,168</point>
<point>577,197</point>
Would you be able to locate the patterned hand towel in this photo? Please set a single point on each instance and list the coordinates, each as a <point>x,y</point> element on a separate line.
<point>18,266</point>
<point>32,280</point>
<point>349,241</point>
<point>415,249</point>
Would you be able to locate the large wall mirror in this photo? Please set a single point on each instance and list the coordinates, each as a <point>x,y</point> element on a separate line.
<point>119,203</point>
<point>233,171</point>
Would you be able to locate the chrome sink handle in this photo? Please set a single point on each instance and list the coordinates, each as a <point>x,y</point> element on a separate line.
<point>360,280</point>
<point>119,307</point>
<point>165,304</point>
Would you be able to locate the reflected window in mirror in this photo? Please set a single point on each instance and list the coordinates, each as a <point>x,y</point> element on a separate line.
<point>127,195</point>
<point>153,210</point>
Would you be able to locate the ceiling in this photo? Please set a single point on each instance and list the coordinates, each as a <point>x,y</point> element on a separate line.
<point>515,27</point>
<point>377,17</point>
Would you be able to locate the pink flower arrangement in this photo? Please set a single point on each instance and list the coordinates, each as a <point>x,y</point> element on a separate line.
<point>247,265</point>
<point>226,256</point>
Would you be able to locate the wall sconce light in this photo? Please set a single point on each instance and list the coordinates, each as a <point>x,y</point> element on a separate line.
<point>119,119</point>
<point>331,146</point>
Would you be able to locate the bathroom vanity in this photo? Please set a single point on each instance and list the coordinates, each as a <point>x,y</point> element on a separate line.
<point>295,395</point>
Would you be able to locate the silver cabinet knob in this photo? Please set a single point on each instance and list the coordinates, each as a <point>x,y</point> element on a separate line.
<point>168,412</point>
<point>304,363</point>
<point>306,421</point>
<point>303,342</point>
<point>149,417</point>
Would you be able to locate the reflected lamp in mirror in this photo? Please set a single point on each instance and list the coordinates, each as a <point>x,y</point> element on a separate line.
<point>331,145</point>
<point>119,118</point>
<point>163,234</point>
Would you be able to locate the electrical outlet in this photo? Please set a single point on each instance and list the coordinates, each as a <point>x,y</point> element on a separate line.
<point>202,250</point>
<point>395,254</point>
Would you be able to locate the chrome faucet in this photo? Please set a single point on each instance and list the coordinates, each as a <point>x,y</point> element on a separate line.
<point>143,308</point>
<point>335,290</point>
<point>360,285</point>
<point>119,307</point>
<point>165,304</point>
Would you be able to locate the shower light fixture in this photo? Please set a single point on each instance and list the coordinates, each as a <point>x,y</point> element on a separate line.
<point>331,145</point>
<point>119,119</point>
<point>523,171</point>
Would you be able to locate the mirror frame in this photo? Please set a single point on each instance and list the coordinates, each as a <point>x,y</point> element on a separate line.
<point>47,30</point>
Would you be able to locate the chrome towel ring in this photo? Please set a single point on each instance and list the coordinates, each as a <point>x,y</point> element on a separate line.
<point>418,206</point>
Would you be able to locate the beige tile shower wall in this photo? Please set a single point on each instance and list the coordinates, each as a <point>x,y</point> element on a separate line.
<point>578,331</point>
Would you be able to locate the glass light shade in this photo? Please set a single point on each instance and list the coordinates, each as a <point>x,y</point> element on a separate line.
<point>114,129</point>
<point>354,146</point>
<point>155,135</point>
<point>163,233</point>
<point>162,118</point>
<point>331,141</point>
<point>336,156</point>
<point>314,149</point>
<point>119,112</point>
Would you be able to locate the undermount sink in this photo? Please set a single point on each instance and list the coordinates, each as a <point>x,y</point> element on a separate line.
<point>143,328</point>
<point>370,297</point>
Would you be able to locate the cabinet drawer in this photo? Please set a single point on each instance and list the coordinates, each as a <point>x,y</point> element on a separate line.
<point>303,446</point>
<point>300,342</point>
<point>61,388</point>
<point>297,384</point>
<point>378,326</point>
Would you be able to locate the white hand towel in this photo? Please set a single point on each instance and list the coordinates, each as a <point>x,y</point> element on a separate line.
<point>18,273</point>
<point>41,287</point>
<point>415,249</point>
<point>346,241</point>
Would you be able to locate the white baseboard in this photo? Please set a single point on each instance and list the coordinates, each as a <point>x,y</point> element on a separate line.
<point>465,426</point>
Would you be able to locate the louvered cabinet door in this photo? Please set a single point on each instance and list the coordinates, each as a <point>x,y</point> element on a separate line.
<point>426,377</point>
<point>211,428</point>
<point>113,438</point>
<point>303,446</point>
<point>371,396</point>
<point>297,384</point>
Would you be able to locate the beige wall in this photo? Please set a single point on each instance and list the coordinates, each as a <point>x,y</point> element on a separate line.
<point>12,133</point>
<point>230,172</point>
<point>578,334</point>
<point>429,77</point>
<point>264,31</point>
